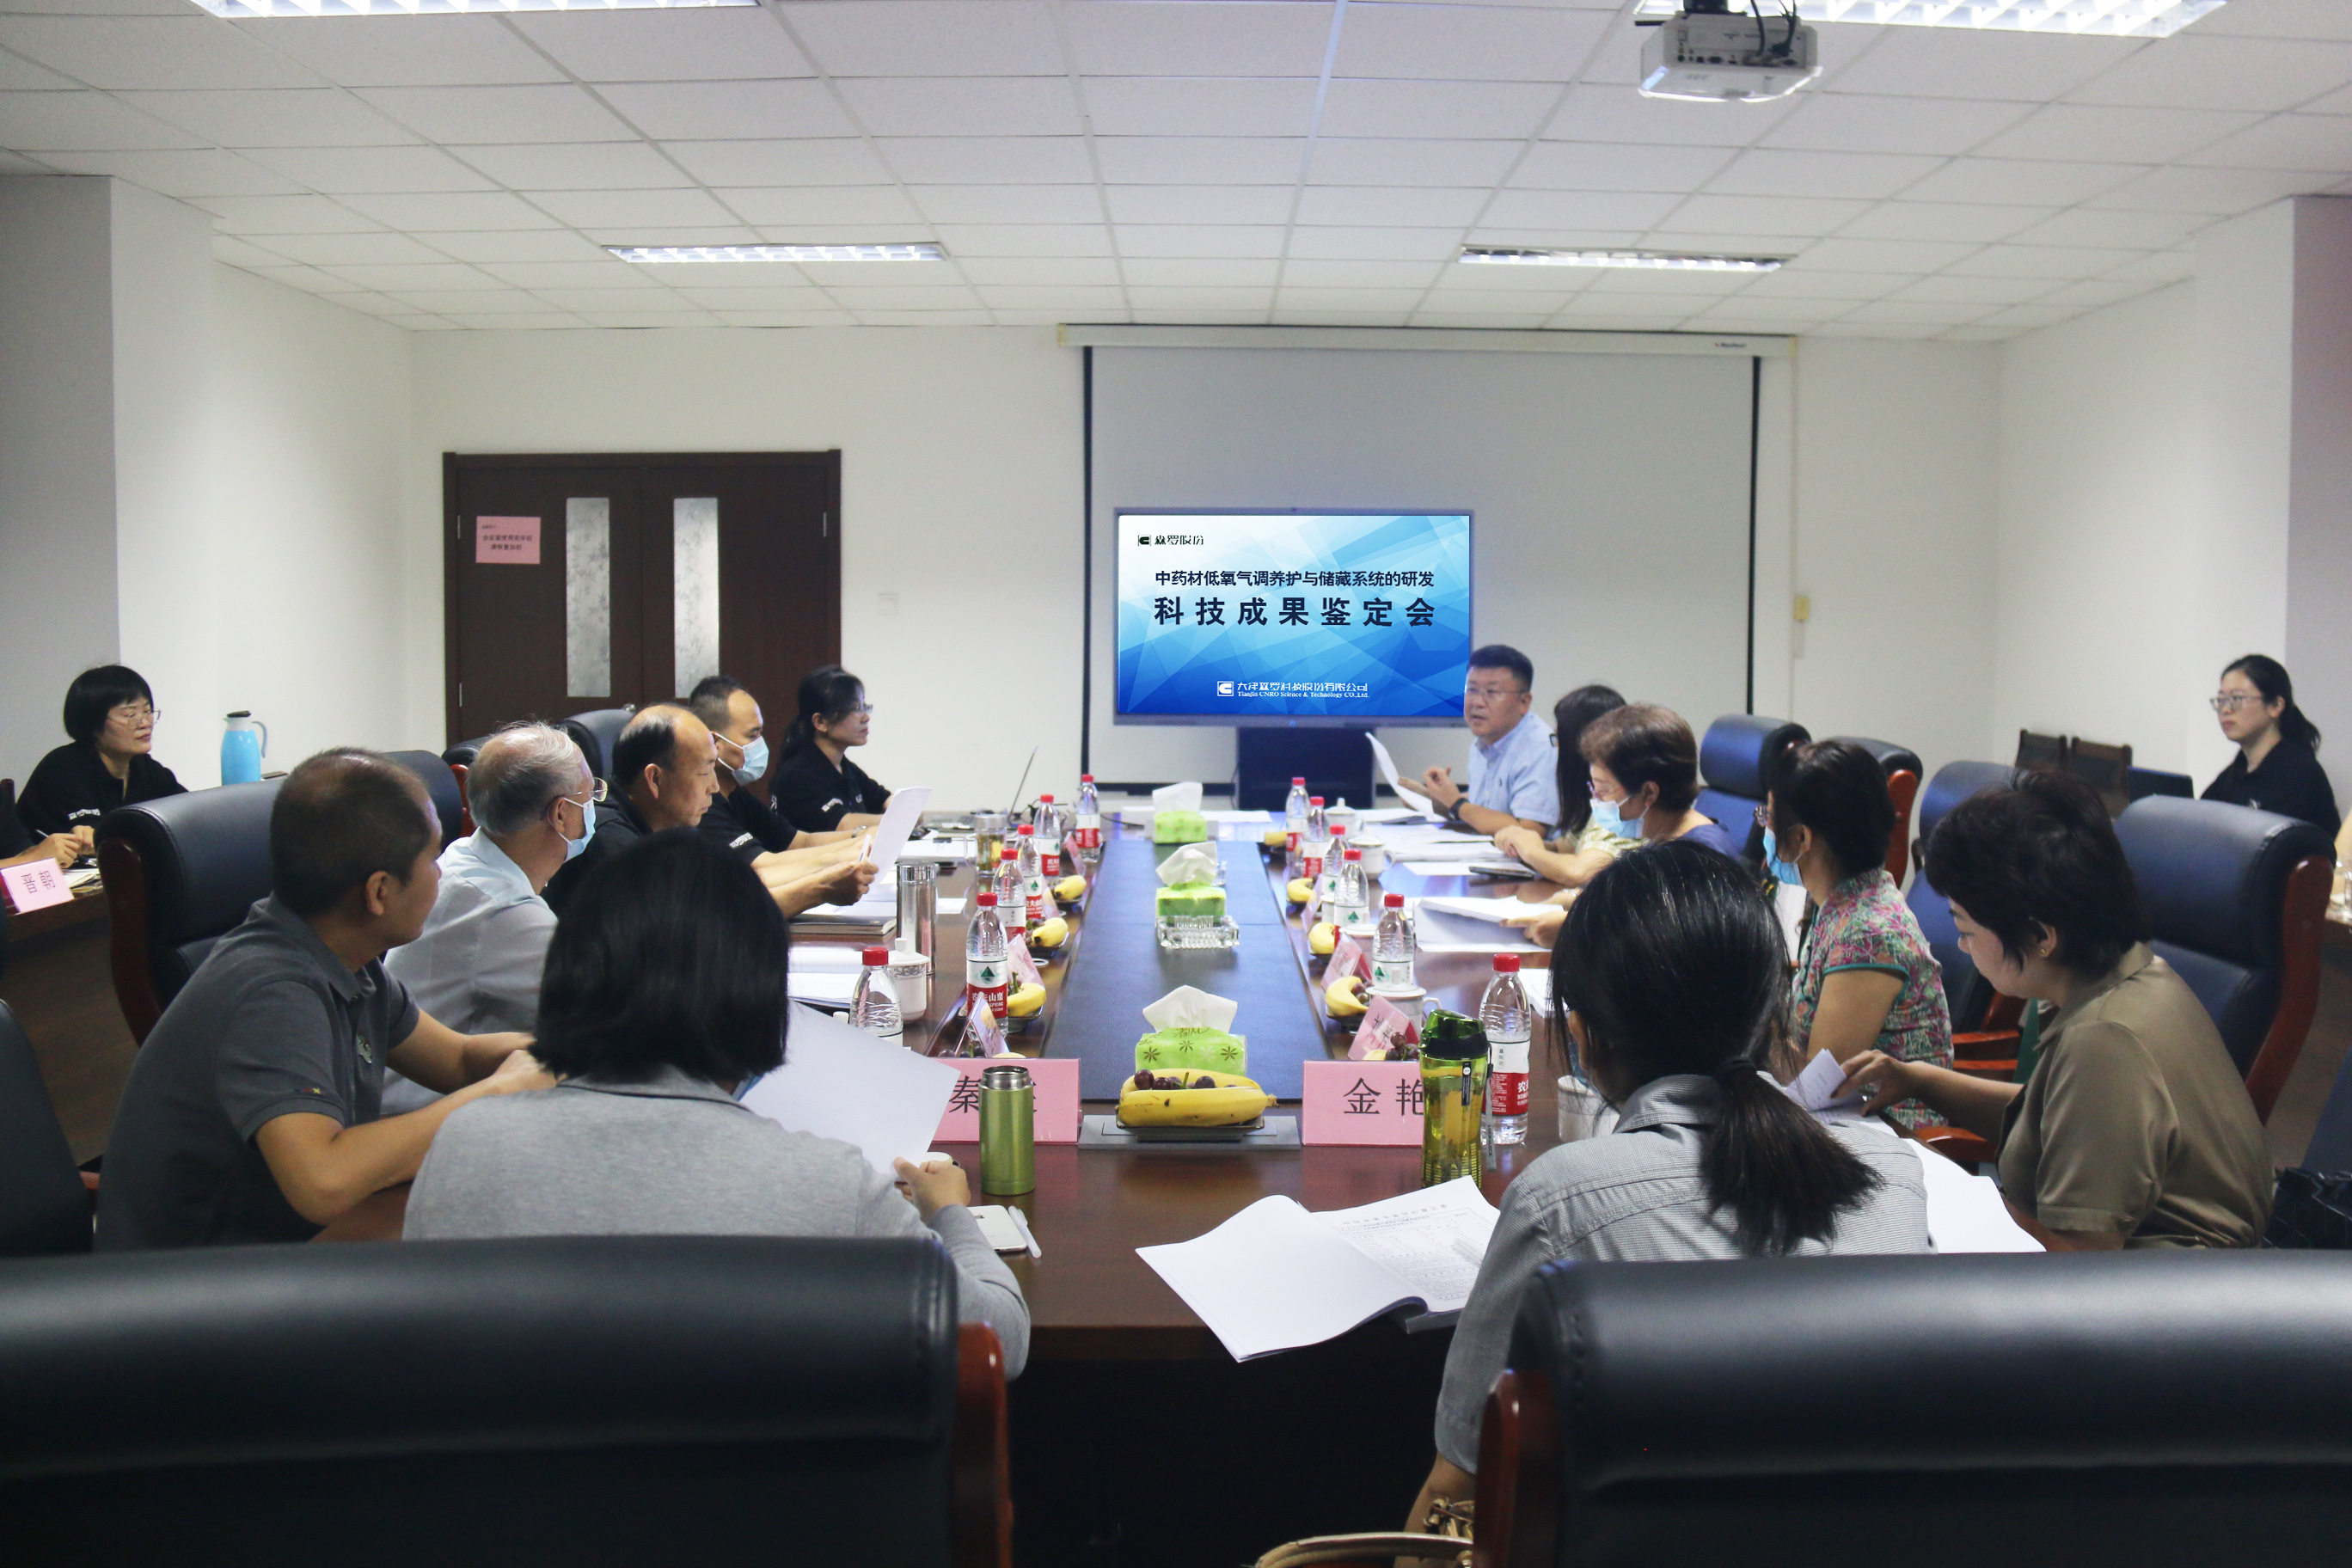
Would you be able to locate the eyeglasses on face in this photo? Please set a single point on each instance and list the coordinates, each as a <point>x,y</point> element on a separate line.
<point>2230,701</point>
<point>855,711</point>
<point>598,792</point>
<point>1490,693</point>
<point>135,714</point>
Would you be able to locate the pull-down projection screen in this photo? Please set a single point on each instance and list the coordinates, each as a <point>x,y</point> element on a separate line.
<point>1611,493</point>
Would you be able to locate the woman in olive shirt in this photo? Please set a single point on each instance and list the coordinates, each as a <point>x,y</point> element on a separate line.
<point>110,714</point>
<point>2134,1128</point>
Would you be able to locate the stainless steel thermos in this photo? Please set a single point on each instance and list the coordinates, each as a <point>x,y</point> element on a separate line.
<point>918,906</point>
<point>1008,1134</point>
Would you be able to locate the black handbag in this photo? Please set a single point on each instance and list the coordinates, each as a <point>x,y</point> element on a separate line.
<point>2313,1208</point>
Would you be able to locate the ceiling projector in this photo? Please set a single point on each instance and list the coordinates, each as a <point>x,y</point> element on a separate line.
<point>1709,53</point>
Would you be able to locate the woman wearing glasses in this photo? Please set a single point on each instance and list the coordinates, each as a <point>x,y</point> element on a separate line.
<point>2277,767</point>
<point>815,787</point>
<point>110,714</point>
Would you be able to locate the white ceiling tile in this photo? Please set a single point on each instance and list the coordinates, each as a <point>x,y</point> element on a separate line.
<point>22,75</point>
<point>1764,172</point>
<point>1004,318</point>
<point>189,173</point>
<point>1200,271</point>
<point>846,233</point>
<point>239,252</point>
<point>684,275</point>
<point>1437,109</point>
<point>1769,314</point>
<point>1887,329</point>
<point>2029,316</point>
<point>1795,216</point>
<point>517,245</point>
<point>309,280</point>
<point>1177,106</point>
<point>460,115</point>
<point>395,51</point>
<point>1798,282</point>
<point>1481,302</point>
<point>717,110</point>
<point>1574,239</point>
<point>628,234</point>
<point>1179,318</point>
<point>2097,133</point>
<point>777,297</point>
<point>1199,160</point>
<point>820,204</point>
<point>2279,20</point>
<point>1617,166</point>
<point>1200,204</point>
<point>1841,121</point>
<point>1417,206</point>
<point>928,38</point>
<point>1293,298</point>
<point>1199,239</point>
<point>353,249</point>
<point>670,44</point>
<point>2131,230</point>
<point>1936,313</point>
<point>2093,293</point>
<point>1467,43</point>
<point>353,171</point>
<point>407,277</point>
<point>605,298</point>
<point>418,322</point>
<point>284,215</point>
<point>2313,142</point>
<point>2163,266</point>
<point>321,117</point>
<point>956,106</point>
<point>1462,277</point>
<point>1063,296</point>
<point>1982,290</point>
<point>787,318</point>
<point>904,297</point>
<point>986,160</point>
<point>1882,255</point>
<point>116,52</point>
<point>1950,62</point>
<point>577,166</point>
<point>1643,281</point>
<point>1579,209</point>
<point>1282,318</point>
<point>1599,112</point>
<point>609,273</point>
<point>2018,182</point>
<point>82,122</point>
<point>1362,274</point>
<point>2217,193</point>
<point>369,304</point>
<point>475,302</point>
<point>517,321</point>
<point>629,209</point>
<point>1942,220</point>
<point>2266,74</point>
<point>1205,297</point>
<point>455,211</point>
<point>1371,161</point>
<point>1008,203</point>
<point>1499,321</point>
<point>634,321</point>
<point>1377,244</point>
<point>1043,271</point>
<point>841,162</point>
<point>868,317</point>
<point>1026,239</point>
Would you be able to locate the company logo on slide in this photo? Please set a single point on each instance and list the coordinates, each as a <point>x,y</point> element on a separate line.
<point>1193,539</point>
<point>1224,688</point>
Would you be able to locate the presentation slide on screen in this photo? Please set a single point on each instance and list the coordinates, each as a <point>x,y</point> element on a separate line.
<point>1225,615</point>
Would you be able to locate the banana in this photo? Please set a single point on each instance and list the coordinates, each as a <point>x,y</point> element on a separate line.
<point>1050,933</point>
<point>1298,889</point>
<point>1229,1102</point>
<point>1070,890</point>
<point>1322,939</point>
<point>1275,837</point>
<point>1025,1001</point>
<point>1345,997</point>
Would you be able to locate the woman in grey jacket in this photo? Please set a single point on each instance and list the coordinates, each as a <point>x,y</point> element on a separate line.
<point>663,992</point>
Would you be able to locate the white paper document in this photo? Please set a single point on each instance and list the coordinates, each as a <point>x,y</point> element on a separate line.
<point>832,987</point>
<point>1816,1088</point>
<point>1965,1213</point>
<point>1407,814</point>
<point>897,825</point>
<point>1274,1276</point>
<point>1435,931</point>
<point>1495,911</point>
<point>943,851</point>
<point>839,1083</point>
<point>1412,794</point>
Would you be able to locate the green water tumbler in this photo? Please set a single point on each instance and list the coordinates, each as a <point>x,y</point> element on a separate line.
<point>1008,1130</point>
<point>1453,1097</point>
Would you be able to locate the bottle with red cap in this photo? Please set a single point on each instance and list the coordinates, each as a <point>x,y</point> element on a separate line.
<point>1294,825</point>
<point>1085,838</point>
<point>1327,876</point>
<point>984,963</point>
<point>874,1004</point>
<point>1050,825</point>
<point>1510,1026</point>
<point>1012,893</point>
<point>1314,840</point>
<point>1392,946</point>
<point>1352,899</point>
<point>1033,877</point>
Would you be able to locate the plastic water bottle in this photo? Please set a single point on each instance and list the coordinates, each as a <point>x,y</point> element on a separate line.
<point>984,964</point>
<point>1012,897</point>
<point>1326,881</point>
<point>1314,839</point>
<point>1049,836</point>
<point>874,1005</point>
<point>1086,828</point>
<point>1294,822</point>
<point>1351,902</point>
<point>1510,1025</point>
<point>1032,876</point>
<point>1393,947</point>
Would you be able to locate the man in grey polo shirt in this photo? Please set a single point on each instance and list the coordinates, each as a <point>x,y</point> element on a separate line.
<point>1512,776</point>
<point>252,1112</point>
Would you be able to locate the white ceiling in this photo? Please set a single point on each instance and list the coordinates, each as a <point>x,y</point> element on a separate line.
<point>1180,161</point>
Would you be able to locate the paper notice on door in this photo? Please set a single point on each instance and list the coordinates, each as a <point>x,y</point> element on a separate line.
<point>506,541</point>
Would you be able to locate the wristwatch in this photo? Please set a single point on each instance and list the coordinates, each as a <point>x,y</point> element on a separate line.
<point>1453,812</point>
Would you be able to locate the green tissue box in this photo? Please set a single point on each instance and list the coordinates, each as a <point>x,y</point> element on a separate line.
<point>1179,827</point>
<point>1203,900</point>
<point>1205,1050</point>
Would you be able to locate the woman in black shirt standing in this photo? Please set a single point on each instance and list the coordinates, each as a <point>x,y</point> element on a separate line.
<point>2277,767</point>
<point>110,714</point>
<point>815,787</point>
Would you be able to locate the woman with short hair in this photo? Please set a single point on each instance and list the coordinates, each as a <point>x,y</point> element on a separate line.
<point>1644,762</point>
<point>1866,980</point>
<point>109,712</point>
<point>2134,1128</point>
<point>815,787</point>
<point>2277,766</point>
<point>1580,847</point>
<point>664,994</point>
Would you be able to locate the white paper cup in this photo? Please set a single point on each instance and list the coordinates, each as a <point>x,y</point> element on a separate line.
<point>1582,1112</point>
<point>911,977</point>
<point>1407,1001</point>
<point>1375,854</point>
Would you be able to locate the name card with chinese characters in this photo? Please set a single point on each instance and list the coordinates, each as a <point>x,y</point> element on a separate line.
<point>506,541</point>
<point>1385,1026</point>
<point>1053,1103</point>
<point>1017,953</point>
<point>34,886</point>
<point>1361,1103</point>
<point>1347,958</point>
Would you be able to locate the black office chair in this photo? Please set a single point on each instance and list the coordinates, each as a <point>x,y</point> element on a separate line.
<point>1735,768</point>
<point>2162,1409</point>
<point>2140,783</point>
<point>575,1400</point>
<point>596,732</point>
<point>44,1203</point>
<point>442,782</point>
<point>1903,770</point>
<point>1966,992</point>
<point>180,873</point>
<point>2239,901</point>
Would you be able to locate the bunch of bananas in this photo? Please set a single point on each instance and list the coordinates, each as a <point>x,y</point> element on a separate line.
<point>1190,1098</point>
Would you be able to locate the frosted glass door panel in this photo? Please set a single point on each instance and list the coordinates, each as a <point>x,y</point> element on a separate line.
<point>694,588</point>
<point>588,597</point>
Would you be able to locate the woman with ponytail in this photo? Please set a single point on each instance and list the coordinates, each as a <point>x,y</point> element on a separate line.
<point>2277,767</point>
<point>1669,976</point>
<point>815,787</point>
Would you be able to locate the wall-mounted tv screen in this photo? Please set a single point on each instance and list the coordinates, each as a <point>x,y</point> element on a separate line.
<point>1256,617</point>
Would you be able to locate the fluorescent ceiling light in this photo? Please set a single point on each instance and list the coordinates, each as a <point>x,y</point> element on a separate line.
<point>246,9</point>
<point>924,251</point>
<point>1659,260</point>
<point>2115,18</point>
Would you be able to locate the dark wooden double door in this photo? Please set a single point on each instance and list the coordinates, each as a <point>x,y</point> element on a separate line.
<point>650,572</point>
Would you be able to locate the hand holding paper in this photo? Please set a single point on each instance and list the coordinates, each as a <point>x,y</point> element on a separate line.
<point>1412,794</point>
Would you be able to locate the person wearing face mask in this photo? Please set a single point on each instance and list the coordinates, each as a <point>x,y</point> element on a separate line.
<point>2134,1128</point>
<point>738,819</point>
<point>1866,980</point>
<point>110,714</point>
<point>2277,766</point>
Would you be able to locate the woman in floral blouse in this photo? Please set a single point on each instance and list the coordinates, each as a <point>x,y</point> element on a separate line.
<point>1866,980</point>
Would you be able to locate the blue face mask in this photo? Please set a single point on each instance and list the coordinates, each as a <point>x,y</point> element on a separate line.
<point>1783,871</point>
<point>574,847</point>
<point>755,763</point>
<point>1609,816</point>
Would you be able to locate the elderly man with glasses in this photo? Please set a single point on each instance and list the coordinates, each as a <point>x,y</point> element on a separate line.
<point>1511,763</point>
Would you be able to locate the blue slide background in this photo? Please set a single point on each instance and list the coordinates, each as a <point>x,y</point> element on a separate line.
<point>1402,671</point>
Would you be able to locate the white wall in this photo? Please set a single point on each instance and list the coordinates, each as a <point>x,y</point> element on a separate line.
<point>2319,545</point>
<point>962,493</point>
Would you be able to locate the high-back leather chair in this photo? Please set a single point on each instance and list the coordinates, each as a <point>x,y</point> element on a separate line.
<point>2238,899</point>
<point>1736,759</point>
<point>441,782</point>
<point>44,1203</point>
<point>622,1400</point>
<point>1966,992</point>
<point>180,873</point>
<point>596,732</point>
<point>1903,770</point>
<point>2161,1409</point>
<point>2140,783</point>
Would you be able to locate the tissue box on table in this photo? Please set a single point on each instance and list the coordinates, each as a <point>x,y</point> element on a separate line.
<point>1176,814</point>
<point>1188,1029</point>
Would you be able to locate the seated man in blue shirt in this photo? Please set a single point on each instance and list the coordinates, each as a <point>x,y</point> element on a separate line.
<point>1512,776</point>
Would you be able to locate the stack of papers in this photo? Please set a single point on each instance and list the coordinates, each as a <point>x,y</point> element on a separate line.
<point>1470,925</point>
<point>839,1083</point>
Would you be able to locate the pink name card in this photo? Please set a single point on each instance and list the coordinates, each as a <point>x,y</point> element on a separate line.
<point>1054,1107</point>
<point>1361,1103</point>
<point>34,886</point>
<point>1384,1027</point>
<point>1017,951</point>
<point>506,541</point>
<point>1347,958</point>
